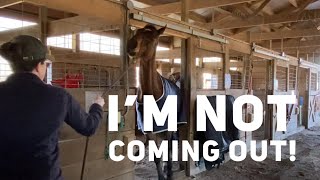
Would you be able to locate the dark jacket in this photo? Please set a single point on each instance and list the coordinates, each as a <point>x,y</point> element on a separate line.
<point>31,113</point>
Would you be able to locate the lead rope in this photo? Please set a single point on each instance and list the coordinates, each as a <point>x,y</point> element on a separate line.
<point>106,153</point>
<point>121,124</point>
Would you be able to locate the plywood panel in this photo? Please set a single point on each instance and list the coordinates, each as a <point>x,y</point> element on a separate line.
<point>72,172</point>
<point>97,144</point>
<point>105,169</point>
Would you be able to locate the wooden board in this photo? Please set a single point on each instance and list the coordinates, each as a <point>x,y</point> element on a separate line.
<point>101,169</point>
<point>72,172</point>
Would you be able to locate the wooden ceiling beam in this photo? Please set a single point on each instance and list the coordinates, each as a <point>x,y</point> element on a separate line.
<point>294,44</point>
<point>73,25</point>
<point>194,4</point>
<point>6,3</point>
<point>192,15</point>
<point>274,19</point>
<point>91,8</point>
<point>303,6</point>
<point>293,3</point>
<point>8,13</point>
<point>78,24</point>
<point>176,53</point>
<point>82,57</point>
<point>285,34</point>
<point>197,17</point>
<point>30,30</point>
<point>266,2</point>
<point>302,50</point>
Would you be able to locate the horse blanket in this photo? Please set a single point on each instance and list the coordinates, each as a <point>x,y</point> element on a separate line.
<point>169,88</point>
<point>222,138</point>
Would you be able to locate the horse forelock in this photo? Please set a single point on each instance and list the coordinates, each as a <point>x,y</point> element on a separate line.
<point>150,27</point>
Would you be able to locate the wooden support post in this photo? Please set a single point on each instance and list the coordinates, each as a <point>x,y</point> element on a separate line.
<point>185,10</point>
<point>313,60</point>
<point>212,15</point>
<point>245,64</point>
<point>296,79</point>
<point>268,127</point>
<point>200,74</point>
<point>201,62</point>
<point>189,91</point>
<point>249,37</point>
<point>282,45</point>
<point>43,32</point>
<point>250,65</point>
<point>270,44</point>
<point>76,42</point>
<point>43,22</point>
<point>226,65</point>
<point>305,120</point>
<point>288,75</point>
<point>274,88</point>
<point>186,77</point>
<point>124,36</point>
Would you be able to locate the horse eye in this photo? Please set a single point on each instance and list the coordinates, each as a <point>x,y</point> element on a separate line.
<point>132,44</point>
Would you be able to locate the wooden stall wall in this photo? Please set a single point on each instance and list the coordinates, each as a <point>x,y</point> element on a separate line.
<point>285,83</point>
<point>314,99</point>
<point>259,87</point>
<point>72,145</point>
<point>211,80</point>
<point>303,88</point>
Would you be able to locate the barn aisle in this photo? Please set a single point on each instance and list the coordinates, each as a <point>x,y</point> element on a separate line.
<point>306,166</point>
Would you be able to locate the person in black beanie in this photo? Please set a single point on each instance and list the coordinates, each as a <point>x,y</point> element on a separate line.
<point>31,113</point>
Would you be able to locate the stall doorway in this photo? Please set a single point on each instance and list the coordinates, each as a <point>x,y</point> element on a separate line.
<point>303,87</point>
<point>259,87</point>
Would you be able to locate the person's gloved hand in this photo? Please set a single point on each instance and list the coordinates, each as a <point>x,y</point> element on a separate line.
<point>99,100</point>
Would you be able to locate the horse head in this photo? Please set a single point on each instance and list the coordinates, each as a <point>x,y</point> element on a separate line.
<point>144,42</point>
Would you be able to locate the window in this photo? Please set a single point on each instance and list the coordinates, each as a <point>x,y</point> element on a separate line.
<point>292,77</point>
<point>212,73</point>
<point>99,44</point>
<point>236,77</point>
<point>282,78</point>
<point>159,48</point>
<point>60,41</point>
<point>5,69</point>
<point>210,81</point>
<point>211,59</point>
<point>164,60</point>
<point>8,23</point>
<point>313,81</point>
<point>177,61</point>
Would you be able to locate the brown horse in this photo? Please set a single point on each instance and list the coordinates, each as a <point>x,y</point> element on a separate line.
<point>142,46</point>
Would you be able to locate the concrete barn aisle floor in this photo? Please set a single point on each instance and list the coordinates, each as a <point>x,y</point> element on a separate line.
<point>306,166</point>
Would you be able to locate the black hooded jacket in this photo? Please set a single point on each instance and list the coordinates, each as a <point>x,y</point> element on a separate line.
<point>31,113</point>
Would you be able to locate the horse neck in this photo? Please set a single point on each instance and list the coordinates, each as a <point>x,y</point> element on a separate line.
<point>150,80</point>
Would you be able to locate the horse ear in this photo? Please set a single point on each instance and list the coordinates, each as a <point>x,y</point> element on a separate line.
<point>161,30</point>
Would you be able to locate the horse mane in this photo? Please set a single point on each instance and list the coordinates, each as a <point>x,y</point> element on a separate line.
<point>150,27</point>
